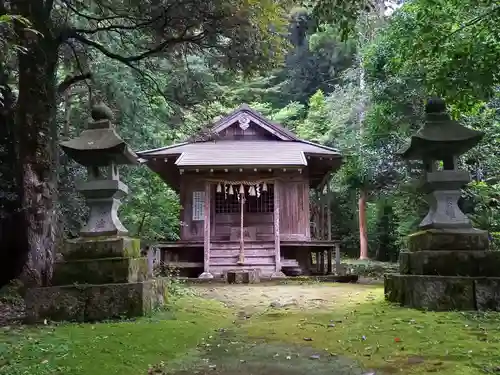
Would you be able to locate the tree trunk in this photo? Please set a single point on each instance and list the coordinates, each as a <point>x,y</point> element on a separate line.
<point>12,220</point>
<point>37,135</point>
<point>363,237</point>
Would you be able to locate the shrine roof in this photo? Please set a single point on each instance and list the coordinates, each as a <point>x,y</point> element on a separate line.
<point>233,153</point>
<point>280,147</point>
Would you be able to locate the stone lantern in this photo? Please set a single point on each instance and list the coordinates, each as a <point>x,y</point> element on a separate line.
<point>103,274</point>
<point>447,265</point>
<point>438,144</point>
<point>101,150</point>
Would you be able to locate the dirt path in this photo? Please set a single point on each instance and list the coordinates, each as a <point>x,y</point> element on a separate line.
<point>302,297</point>
<point>229,352</point>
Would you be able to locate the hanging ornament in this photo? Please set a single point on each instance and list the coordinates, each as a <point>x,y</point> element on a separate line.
<point>251,191</point>
<point>257,190</point>
<point>242,189</point>
<point>264,187</point>
<point>231,191</point>
<point>219,188</point>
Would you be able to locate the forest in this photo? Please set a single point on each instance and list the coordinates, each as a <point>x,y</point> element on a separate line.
<point>353,75</point>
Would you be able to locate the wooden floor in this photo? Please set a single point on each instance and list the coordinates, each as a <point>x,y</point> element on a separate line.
<point>194,244</point>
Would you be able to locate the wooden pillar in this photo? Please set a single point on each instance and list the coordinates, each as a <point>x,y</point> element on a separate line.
<point>276,216</point>
<point>206,233</point>
<point>330,262</point>
<point>241,258</point>
<point>337,257</point>
<point>328,211</point>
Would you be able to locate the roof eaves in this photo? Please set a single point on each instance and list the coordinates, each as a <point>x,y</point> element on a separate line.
<point>303,157</point>
<point>320,146</point>
<point>154,150</point>
<point>179,159</point>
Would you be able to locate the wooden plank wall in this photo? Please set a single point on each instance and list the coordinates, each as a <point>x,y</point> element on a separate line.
<point>234,132</point>
<point>294,209</point>
<point>294,212</point>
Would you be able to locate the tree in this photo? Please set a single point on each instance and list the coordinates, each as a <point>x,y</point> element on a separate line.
<point>243,36</point>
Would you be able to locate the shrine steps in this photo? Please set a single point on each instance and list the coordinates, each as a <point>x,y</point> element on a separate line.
<point>224,256</point>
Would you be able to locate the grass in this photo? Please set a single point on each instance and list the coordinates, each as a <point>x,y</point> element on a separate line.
<point>121,348</point>
<point>390,338</point>
<point>360,326</point>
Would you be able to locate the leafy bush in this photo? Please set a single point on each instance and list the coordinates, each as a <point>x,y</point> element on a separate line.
<point>369,268</point>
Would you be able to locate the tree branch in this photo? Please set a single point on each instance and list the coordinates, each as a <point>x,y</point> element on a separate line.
<point>130,59</point>
<point>71,80</point>
<point>471,22</point>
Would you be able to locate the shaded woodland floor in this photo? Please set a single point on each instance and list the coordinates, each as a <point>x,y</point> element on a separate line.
<point>293,328</point>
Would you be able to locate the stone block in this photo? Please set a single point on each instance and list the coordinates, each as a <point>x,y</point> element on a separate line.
<point>404,262</point>
<point>95,302</point>
<point>100,271</point>
<point>437,293</point>
<point>488,294</point>
<point>451,263</point>
<point>102,247</point>
<point>243,276</point>
<point>449,239</point>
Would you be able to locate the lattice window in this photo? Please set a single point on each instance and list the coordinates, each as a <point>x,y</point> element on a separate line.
<point>264,203</point>
<point>226,204</point>
<point>198,205</point>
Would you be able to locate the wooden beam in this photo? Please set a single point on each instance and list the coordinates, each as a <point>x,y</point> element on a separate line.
<point>206,233</point>
<point>276,217</point>
<point>328,212</point>
<point>337,257</point>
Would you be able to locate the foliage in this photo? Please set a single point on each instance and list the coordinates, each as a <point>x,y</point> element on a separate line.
<point>370,268</point>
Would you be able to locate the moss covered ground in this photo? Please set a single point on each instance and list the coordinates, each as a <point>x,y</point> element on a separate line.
<point>287,329</point>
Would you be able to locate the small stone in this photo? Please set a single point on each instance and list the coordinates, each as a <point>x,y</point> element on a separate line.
<point>415,360</point>
<point>331,325</point>
<point>212,366</point>
<point>288,357</point>
<point>314,356</point>
<point>307,339</point>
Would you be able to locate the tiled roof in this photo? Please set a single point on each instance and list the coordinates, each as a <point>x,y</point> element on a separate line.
<point>234,152</point>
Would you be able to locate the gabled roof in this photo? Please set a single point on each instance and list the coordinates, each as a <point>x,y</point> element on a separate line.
<point>256,118</point>
<point>286,149</point>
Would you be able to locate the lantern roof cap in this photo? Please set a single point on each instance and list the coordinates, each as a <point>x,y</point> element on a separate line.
<point>99,144</point>
<point>440,137</point>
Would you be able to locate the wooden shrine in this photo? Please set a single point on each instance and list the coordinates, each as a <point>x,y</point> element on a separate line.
<point>245,188</point>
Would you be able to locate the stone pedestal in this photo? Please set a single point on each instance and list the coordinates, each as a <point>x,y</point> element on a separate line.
<point>99,278</point>
<point>243,277</point>
<point>447,270</point>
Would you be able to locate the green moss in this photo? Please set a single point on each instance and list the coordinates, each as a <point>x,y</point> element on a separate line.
<point>116,348</point>
<point>100,271</point>
<point>102,247</point>
<point>386,337</point>
<point>360,326</point>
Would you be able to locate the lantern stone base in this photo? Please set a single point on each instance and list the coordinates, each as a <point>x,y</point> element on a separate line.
<point>443,293</point>
<point>450,263</point>
<point>447,269</point>
<point>99,278</point>
<point>102,247</point>
<point>449,239</point>
<point>84,303</point>
<point>100,271</point>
